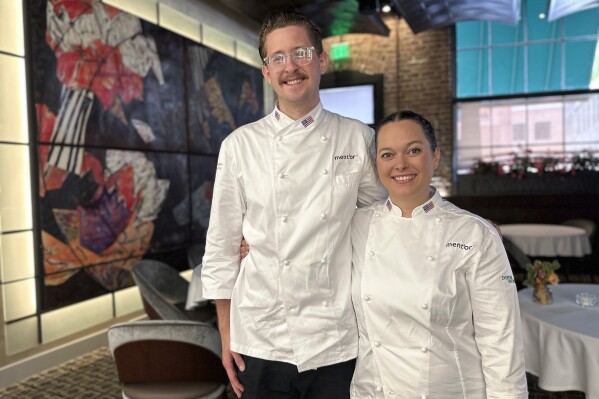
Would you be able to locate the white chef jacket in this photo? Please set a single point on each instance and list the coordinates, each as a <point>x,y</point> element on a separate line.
<point>436,303</point>
<point>290,188</point>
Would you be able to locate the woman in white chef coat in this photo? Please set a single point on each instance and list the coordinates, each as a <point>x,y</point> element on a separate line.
<point>432,287</point>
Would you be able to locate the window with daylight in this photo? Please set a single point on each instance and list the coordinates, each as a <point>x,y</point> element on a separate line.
<point>519,132</point>
<point>535,56</point>
<point>527,92</point>
<point>542,130</point>
<point>553,126</point>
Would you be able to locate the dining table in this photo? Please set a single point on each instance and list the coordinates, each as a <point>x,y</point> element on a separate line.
<point>561,339</point>
<point>548,240</point>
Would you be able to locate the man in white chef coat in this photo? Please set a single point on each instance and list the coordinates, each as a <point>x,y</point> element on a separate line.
<point>289,183</point>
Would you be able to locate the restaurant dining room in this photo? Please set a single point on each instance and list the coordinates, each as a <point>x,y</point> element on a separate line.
<point>112,117</point>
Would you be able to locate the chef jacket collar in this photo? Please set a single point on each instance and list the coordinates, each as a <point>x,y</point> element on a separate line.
<point>419,211</point>
<point>305,122</point>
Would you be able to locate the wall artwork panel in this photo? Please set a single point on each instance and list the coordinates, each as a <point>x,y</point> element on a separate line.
<point>203,169</point>
<point>220,101</point>
<point>130,118</point>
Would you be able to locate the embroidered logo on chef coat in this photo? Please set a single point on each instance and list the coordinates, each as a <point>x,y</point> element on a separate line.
<point>348,156</point>
<point>509,279</point>
<point>277,115</point>
<point>459,245</point>
<point>308,121</point>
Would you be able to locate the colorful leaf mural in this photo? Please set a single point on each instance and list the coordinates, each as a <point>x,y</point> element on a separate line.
<point>130,118</point>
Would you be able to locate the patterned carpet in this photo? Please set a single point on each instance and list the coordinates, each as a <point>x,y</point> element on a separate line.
<point>90,376</point>
<point>94,376</point>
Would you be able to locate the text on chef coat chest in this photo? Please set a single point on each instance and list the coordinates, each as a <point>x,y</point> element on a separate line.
<point>306,168</point>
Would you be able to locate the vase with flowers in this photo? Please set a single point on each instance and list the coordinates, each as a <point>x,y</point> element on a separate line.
<point>539,275</point>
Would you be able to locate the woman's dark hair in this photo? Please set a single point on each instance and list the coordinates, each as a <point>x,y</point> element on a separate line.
<point>283,18</point>
<point>429,132</point>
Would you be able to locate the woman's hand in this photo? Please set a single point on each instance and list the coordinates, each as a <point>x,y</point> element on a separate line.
<point>244,249</point>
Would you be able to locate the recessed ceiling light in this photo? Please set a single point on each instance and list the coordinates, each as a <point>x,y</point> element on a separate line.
<point>542,15</point>
<point>386,8</point>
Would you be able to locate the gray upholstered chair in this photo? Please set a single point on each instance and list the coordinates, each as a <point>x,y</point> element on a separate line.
<point>194,255</point>
<point>164,293</point>
<point>587,225</point>
<point>583,269</point>
<point>168,359</point>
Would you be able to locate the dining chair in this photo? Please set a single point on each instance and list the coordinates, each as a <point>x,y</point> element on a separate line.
<point>583,270</point>
<point>587,225</point>
<point>164,293</point>
<point>194,255</point>
<point>168,359</point>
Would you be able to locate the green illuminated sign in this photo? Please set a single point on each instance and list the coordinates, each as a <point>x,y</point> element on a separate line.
<point>340,51</point>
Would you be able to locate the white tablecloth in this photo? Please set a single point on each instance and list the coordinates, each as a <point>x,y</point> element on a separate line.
<point>561,340</point>
<point>548,239</point>
<point>194,292</point>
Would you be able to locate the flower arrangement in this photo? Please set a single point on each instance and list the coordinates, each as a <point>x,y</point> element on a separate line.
<point>539,274</point>
<point>520,164</point>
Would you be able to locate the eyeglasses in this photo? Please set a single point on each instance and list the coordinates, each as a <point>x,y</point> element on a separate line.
<point>301,56</point>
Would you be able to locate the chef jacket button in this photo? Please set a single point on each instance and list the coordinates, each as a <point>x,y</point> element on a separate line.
<point>424,306</point>
<point>367,298</point>
<point>323,215</point>
<point>371,254</point>
<point>323,261</point>
<point>378,389</point>
<point>424,349</point>
<point>391,392</point>
<point>438,220</point>
<point>376,344</point>
<point>279,138</point>
<point>286,263</point>
<point>284,218</point>
<point>325,172</point>
<point>430,258</point>
<point>423,396</point>
<point>323,138</point>
<point>376,214</point>
<point>281,175</point>
<point>324,303</point>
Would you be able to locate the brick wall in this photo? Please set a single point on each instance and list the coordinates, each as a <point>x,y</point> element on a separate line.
<point>417,70</point>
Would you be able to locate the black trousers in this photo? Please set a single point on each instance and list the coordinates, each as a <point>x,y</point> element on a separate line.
<point>267,379</point>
